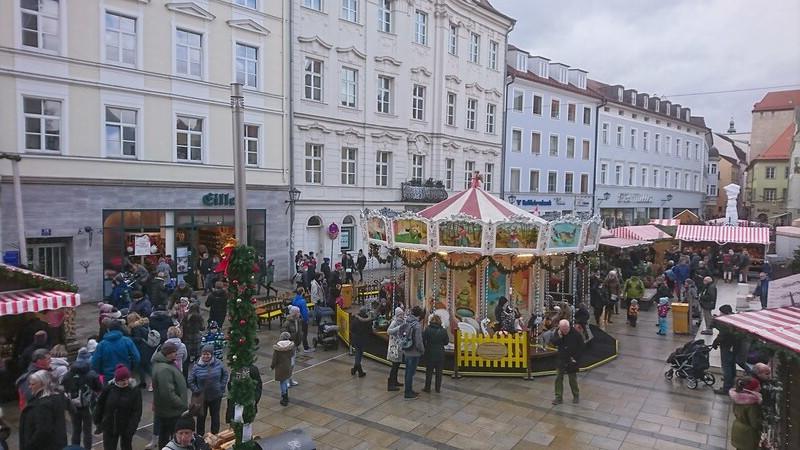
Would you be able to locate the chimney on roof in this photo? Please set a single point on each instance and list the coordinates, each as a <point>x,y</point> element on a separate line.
<point>731,127</point>
<point>577,78</point>
<point>559,72</point>
<point>539,66</point>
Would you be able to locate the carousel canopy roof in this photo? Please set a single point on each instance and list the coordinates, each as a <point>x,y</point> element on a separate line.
<point>479,204</point>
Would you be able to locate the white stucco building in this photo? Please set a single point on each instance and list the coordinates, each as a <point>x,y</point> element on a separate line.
<point>121,112</point>
<point>386,92</point>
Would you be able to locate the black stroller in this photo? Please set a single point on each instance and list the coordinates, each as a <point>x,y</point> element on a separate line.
<point>691,363</point>
<point>327,329</point>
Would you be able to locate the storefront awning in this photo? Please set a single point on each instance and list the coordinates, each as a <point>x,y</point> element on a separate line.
<point>780,326</point>
<point>665,222</point>
<point>622,242</point>
<point>640,233</point>
<point>723,234</point>
<point>35,300</point>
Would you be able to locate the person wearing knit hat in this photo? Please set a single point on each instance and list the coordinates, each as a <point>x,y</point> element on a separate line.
<point>394,352</point>
<point>81,386</point>
<point>208,377</point>
<point>216,337</point>
<point>185,437</point>
<point>282,364</point>
<point>170,392</point>
<point>118,410</point>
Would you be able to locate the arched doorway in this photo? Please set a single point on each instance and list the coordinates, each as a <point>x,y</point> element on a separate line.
<point>312,238</point>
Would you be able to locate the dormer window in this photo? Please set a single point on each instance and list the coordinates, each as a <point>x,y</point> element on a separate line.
<point>522,62</point>
<point>620,93</point>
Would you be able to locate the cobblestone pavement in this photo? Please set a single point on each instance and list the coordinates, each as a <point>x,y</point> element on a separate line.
<point>625,404</point>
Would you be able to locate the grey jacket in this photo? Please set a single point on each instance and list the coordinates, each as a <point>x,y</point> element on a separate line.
<point>419,348</point>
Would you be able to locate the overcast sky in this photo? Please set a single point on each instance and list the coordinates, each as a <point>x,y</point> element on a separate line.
<point>671,47</point>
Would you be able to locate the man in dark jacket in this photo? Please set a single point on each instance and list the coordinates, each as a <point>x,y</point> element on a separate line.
<point>170,397</point>
<point>728,344</point>
<point>434,338</point>
<point>81,386</point>
<point>325,268</point>
<point>118,410</point>
<point>217,302</point>
<point>160,321</point>
<point>708,301</point>
<point>361,263</point>
<point>360,329</point>
<point>570,344</point>
<point>158,290</point>
<point>183,290</point>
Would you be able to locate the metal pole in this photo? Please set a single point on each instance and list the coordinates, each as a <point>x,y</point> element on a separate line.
<point>23,246</point>
<point>239,174</point>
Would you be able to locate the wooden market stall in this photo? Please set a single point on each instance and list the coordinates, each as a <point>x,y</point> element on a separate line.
<point>723,238</point>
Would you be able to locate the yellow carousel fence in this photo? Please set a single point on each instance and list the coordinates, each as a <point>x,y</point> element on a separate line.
<point>508,355</point>
<point>343,322</point>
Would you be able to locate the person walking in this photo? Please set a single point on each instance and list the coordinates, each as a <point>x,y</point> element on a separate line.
<point>633,289</point>
<point>708,301</point>
<point>663,312</point>
<point>361,264</point>
<point>42,425</point>
<point>282,357</point>
<point>633,312</point>
<point>598,299</point>
<point>140,335</point>
<point>728,345</point>
<point>81,386</point>
<point>317,294</point>
<point>434,339</point>
<point>614,288</point>
<point>174,335</point>
<point>762,289</point>
<point>217,302</point>
<point>141,305</point>
<point>360,329</point>
<point>744,266</point>
<point>300,302</point>
<point>570,344</point>
<point>394,352</point>
<point>114,349</point>
<point>161,320</point>
<point>119,410</point>
<point>413,348</point>
<point>746,428</point>
<point>206,267</point>
<point>170,396</point>
<point>208,379</point>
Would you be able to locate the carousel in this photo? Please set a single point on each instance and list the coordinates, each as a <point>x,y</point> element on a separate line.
<point>468,254</point>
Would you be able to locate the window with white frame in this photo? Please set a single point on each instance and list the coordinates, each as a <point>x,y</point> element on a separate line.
<point>469,172</point>
<point>472,113</point>
<point>313,163</point>
<point>643,179</point>
<point>188,53</point>
<point>382,161</point>
<point>657,143</point>
<point>587,115</point>
<point>712,168</point>
<point>677,147</point>
<point>631,176</point>
<point>449,170</point>
<point>519,100</point>
<point>618,175</point>
<point>488,176</point>
<point>769,172</point>
<point>42,124</point>
<point>584,183</point>
<point>604,134</point>
<point>313,80</point>
<point>770,194</point>
<point>696,182</point>
<point>555,109</point>
<point>645,140</point>
<point>655,178</point>
<point>349,158</point>
<point>418,102</point>
<point>686,184</point>
<point>493,50</point>
<point>247,3</point>
<point>571,148</point>
<point>189,138</point>
<point>536,143</point>
<point>474,47</point>
<point>676,180</point>
<point>350,10</point>
<point>697,151</point>
<point>687,150</point>
<point>40,24</point>
<point>349,89</point>
<point>666,178</point>
<point>634,136</point>
<point>451,108</point>
<point>667,145</point>
<point>619,135</point>
<point>571,112</point>
<point>247,65</point>
<point>251,144</point>
<point>120,39</point>
<point>418,167</point>
<point>553,149</point>
<point>537,105</point>
<point>533,181</point>
<point>603,173</point>
<point>513,180</point>
<point>385,94</point>
<point>516,140</point>
<point>491,117</point>
<point>712,190</point>
<point>452,40</point>
<point>585,150</point>
<point>421,27</point>
<point>522,62</point>
<point>569,182</point>
<point>385,15</point>
<point>552,181</point>
<point>313,4</point>
<point>120,132</point>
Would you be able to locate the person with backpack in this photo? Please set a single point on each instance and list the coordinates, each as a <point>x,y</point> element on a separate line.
<point>119,410</point>
<point>146,340</point>
<point>114,349</point>
<point>207,381</point>
<point>81,386</point>
<point>360,329</point>
<point>413,348</point>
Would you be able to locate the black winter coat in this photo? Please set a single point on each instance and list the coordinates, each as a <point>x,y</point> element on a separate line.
<point>360,329</point>
<point>42,425</point>
<point>119,409</point>
<point>217,302</point>
<point>435,338</point>
<point>161,321</point>
<point>569,349</point>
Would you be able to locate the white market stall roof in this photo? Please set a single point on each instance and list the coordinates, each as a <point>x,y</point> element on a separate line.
<point>666,222</point>
<point>36,300</point>
<point>741,222</point>
<point>640,233</point>
<point>479,204</point>
<point>781,326</point>
<point>723,234</point>
<point>622,242</point>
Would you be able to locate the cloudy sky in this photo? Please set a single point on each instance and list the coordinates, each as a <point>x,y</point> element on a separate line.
<point>671,47</point>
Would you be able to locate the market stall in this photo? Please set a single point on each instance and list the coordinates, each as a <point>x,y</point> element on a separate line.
<point>723,238</point>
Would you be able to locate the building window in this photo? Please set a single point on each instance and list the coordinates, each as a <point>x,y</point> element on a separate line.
<point>584,183</point>
<point>618,175</point>
<point>350,10</point>
<point>677,147</point>
<point>686,185</point>
<point>421,28</point>
<point>667,145</point>
<point>349,91</point>
<point>189,138</point>
<point>619,135</point>
<point>676,180</point>
<point>313,80</point>
<point>449,169</point>
<point>418,102</point>
<point>770,173</point>
<point>552,181</point>
<point>120,39</point>
<point>533,181</point>
<point>514,180</point>
<point>568,182</point>
<point>666,179</point>
<point>451,109</point>
<point>385,16</point>
<point>697,152</point>
<point>522,62</point>
<point>247,65</point>
<point>491,114</point>
<point>251,144</point>
<point>770,194</point>
<point>42,124</point>
<point>349,165</point>
<point>493,49</point>
<point>571,111</point>
<point>516,140</point>
<point>657,145</point>
<point>472,113</point>
<point>712,169</point>
<point>247,3</point>
<point>40,27</point>
<point>553,145</point>
<point>313,4</point>
<point>643,182</point>
<point>687,149</point>
<point>474,47</point>
<point>120,132</point>
<point>645,140</point>
<point>452,40</point>
<point>604,134</point>
<point>603,173</point>
<point>189,53</point>
<point>537,105</point>
<point>536,143</point>
<point>385,94</point>
<point>633,138</point>
<point>469,170</point>
<point>382,169</point>
<point>696,182</point>
<point>712,190</point>
<point>631,176</point>
<point>313,161</point>
<point>587,115</point>
<point>655,178</point>
<point>585,150</point>
<point>519,100</point>
<point>555,109</point>
<point>417,167</point>
<point>488,174</point>
<point>571,148</point>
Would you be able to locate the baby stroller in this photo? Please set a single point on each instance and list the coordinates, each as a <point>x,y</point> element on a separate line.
<point>326,328</point>
<point>691,363</point>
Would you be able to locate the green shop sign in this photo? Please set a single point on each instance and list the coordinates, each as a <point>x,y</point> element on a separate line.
<point>216,199</point>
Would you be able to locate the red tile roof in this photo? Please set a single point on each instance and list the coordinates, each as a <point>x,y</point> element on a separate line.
<point>778,101</point>
<point>781,148</point>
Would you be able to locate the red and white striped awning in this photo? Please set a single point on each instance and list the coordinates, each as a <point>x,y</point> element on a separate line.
<point>640,233</point>
<point>35,300</point>
<point>781,326</point>
<point>723,234</point>
<point>666,222</point>
<point>478,204</point>
<point>622,242</point>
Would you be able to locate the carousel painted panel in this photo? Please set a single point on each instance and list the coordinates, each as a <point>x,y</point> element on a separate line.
<point>564,236</point>
<point>591,235</point>
<point>496,287</point>
<point>465,294</point>
<point>410,232</point>
<point>518,237</point>
<point>460,235</point>
<point>377,229</point>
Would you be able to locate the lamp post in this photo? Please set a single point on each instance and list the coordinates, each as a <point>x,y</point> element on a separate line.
<point>294,196</point>
<point>23,246</point>
<point>664,200</point>
<point>239,174</point>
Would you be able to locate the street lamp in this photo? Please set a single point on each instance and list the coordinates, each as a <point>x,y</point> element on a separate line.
<point>294,196</point>
<point>23,247</point>
<point>605,197</point>
<point>512,199</point>
<point>239,173</point>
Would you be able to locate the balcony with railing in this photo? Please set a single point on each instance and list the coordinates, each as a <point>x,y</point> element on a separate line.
<point>418,192</point>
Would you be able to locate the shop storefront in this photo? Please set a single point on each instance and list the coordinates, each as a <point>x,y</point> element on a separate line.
<point>551,207</point>
<point>624,207</point>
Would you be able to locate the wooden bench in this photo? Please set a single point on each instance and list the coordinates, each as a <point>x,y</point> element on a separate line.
<point>269,311</point>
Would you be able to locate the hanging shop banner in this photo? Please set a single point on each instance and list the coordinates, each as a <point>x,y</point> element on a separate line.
<point>517,237</point>
<point>565,236</point>
<point>141,245</point>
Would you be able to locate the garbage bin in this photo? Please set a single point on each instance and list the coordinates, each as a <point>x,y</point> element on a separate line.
<point>680,318</point>
<point>347,295</point>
